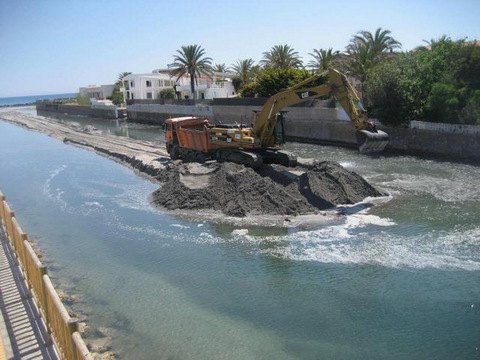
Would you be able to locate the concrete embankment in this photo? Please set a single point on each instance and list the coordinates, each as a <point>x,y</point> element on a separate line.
<point>304,124</point>
<point>52,107</point>
<point>325,126</point>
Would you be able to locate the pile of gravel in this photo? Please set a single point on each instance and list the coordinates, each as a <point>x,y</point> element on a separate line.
<point>236,190</point>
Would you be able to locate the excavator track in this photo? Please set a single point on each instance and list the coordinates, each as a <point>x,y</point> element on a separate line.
<point>247,158</point>
<point>276,156</point>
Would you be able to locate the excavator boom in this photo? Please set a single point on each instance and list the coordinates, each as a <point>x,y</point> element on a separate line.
<point>369,139</point>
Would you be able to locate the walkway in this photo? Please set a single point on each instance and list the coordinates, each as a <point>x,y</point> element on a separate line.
<point>21,330</point>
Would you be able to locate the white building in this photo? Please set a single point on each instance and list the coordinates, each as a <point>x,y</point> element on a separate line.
<point>99,92</point>
<point>149,86</point>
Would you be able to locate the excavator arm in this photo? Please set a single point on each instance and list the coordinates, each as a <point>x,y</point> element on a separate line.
<point>369,139</point>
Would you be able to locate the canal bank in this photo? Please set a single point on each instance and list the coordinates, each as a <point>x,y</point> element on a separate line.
<point>317,125</point>
<point>400,280</point>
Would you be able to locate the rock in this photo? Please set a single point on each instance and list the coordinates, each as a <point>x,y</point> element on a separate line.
<point>100,345</point>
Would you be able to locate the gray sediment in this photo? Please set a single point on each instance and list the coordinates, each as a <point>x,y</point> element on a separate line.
<point>238,191</point>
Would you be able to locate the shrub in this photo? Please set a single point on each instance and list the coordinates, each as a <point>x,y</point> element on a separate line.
<point>168,93</point>
<point>83,100</point>
<point>117,96</point>
<point>272,81</point>
<point>248,91</point>
<point>394,92</point>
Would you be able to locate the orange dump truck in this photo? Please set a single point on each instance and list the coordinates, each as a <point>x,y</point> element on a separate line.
<point>192,139</point>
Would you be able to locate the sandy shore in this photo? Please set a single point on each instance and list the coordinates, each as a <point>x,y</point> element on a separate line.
<point>143,156</point>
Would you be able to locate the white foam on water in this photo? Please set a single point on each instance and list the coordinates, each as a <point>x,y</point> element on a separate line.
<point>93,204</point>
<point>54,194</point>
<point>458,249</point>
<point>180,226</point>
<point>458,187</point>
<point>377,244</point>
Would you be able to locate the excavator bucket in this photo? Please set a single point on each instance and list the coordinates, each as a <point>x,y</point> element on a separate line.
<point>369,141</point>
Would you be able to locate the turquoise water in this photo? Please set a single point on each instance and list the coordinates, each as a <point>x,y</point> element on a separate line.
<point>401,281</point>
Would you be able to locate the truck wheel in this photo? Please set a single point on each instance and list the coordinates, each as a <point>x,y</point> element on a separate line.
<point>200,157</point>
<point>174,153</point>
<point>219,156</point>
<point>190,156</point>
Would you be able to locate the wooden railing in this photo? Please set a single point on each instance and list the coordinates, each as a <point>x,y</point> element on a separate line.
<point>62,328</point>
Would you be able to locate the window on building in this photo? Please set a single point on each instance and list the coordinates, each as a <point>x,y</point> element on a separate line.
<point>132,83</point>
<point>160,83</point>
<point>149,95</point>
<point>131,96</point>
<point>149,83</point>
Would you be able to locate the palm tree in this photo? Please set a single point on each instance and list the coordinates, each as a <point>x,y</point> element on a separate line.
<point>359,61</point>
<point>191,61</point>
<point>244,68</point>
<point>221,68</point>
<point>431,43</point>
<point>120,77</point>
<point>366,50</point>
<point>379,43</point>
<point>281,57</point>
<point>323,59</point>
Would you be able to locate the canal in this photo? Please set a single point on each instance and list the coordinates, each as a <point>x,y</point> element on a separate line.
<point>396,281</point>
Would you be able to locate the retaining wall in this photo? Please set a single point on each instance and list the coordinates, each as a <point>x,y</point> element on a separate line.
<point>76,110</point>
<point>158,113</point>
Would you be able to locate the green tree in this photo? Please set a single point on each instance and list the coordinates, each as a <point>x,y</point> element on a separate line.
<point>221,68</point>
<point>191,61</point>
<point>366,50</point>
<point>272,81</point>
<point>378,43</point>
<point>394,92</point>
<point>168,93</point>
<point>244,70</point>
<point>439,83</point>
<point>323,59</point>
<point>281,57</point>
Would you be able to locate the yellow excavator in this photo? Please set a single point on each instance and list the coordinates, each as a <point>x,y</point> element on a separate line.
<point>195,139</point>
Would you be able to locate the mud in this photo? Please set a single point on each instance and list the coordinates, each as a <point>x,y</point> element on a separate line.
<point>238,191</point>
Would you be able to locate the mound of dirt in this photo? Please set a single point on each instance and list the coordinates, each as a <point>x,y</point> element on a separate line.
<point>274,190</point>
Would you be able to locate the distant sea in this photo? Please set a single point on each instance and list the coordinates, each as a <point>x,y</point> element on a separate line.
<point>18,100</point>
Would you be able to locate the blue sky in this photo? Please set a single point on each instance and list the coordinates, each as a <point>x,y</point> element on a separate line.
<point>49,47</point>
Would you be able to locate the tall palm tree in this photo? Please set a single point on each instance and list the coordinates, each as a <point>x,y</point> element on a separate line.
<point>120,77</point>
<point>378,43</point>
<point>244,68</point>
<point>359,61</point>
<point>191,60</point>
<point>221,68</point>
<point>322,59</point>
<point>281,57</point>
<point>366,50</point>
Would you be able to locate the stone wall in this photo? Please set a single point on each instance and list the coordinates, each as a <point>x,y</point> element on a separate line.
<point>158,113</point>
<point>76,110</point>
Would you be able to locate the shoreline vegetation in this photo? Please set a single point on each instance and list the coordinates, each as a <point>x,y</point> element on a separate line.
<point>436,82</point>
